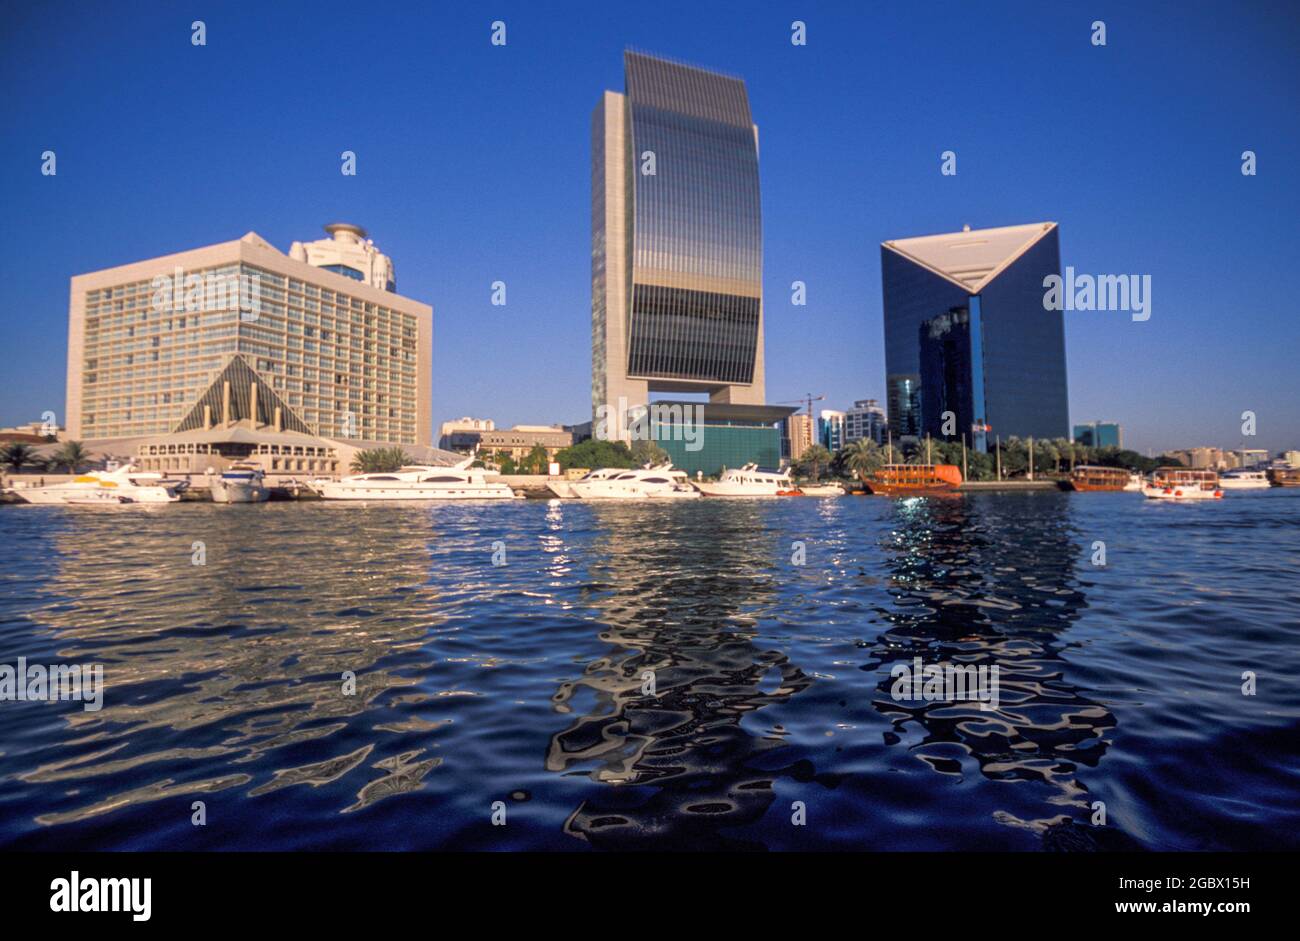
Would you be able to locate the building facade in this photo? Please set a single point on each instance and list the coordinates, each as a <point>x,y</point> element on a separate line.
<point>677,301</point>
<point>830,429</point>
<point>1015,367</point>
<point>707,438</point>
<point>798,435</point>
<point>866,419</point>
<point>1099,434</point>
<point>349,359</point>
<point>518,441</point>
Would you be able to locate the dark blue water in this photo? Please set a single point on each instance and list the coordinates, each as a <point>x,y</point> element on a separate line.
<point>520,685</point>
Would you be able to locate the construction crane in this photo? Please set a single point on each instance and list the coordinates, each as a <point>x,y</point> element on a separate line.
<point>808,399</point>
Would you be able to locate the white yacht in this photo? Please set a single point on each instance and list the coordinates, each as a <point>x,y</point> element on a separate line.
<point>240,483</point>
<point>821,490</point>
<point>749,481</point>
<point>1135,483</point>
<point>107,488</point>
<point>1243,479</point>
<point>1181,483</point>
<point>564,488</point>
<point>417,482</point>
<point>653,483</point>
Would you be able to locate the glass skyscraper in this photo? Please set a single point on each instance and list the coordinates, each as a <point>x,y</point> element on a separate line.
<point>966,331</point>
<point>677,301</point>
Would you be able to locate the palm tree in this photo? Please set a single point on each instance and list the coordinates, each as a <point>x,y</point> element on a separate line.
<point>862,456</point>
<point>379,461</point>
<point>72,455</point>
<point>16,454</point>
<point>536,460</point>
<point>813,460</point>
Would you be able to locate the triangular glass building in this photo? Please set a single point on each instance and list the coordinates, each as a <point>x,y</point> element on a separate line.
<point>967,332</point>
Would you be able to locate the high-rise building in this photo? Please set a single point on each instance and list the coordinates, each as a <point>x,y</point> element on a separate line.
<point>866,419</point>
<point>339,355</point>
<point>1099,434</point>
<point>798,435</point>
<point>830,429</point>
<point>1013,379</point>
<point>677,300</point>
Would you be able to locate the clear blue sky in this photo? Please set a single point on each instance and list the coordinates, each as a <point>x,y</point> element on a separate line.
<point>473,166</point>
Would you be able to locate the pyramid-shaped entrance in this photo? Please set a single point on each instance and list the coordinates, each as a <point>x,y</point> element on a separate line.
<point>239,395</point>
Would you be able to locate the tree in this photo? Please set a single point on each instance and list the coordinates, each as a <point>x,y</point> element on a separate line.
<point>72,456</point>
<point>860,457</point>
<point>535,461</point>
<point>645,451</point>
<point>16,454</point>
<point>813,460</point>
<point>380,461</point>
<point>594,453</point>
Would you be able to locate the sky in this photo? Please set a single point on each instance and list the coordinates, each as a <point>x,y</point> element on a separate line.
<point>473,166</point>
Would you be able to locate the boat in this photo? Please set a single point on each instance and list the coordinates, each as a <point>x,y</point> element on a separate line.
<point>416,482</point>
<point>1243,479</point>
<point>563,488</point>
<point>240,483</point>
<point>659,482</point>
<point>1182,483</point>
<point>1135,483</point>
<point>123,486</point>
<point>1284,476</point>
<point>821,490</point>
<point>749,481</point>
<point>912,479</point>
<point>1088,477</point>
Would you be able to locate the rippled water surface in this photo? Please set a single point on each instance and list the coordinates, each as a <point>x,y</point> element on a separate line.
<point>522,685</point>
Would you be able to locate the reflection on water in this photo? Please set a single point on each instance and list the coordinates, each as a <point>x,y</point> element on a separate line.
<point>683,614</point>
<point>343,677</point>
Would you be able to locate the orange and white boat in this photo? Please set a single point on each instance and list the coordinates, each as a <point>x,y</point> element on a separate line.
<point>901,480</point>
<point>1182,483</point>
<point>1088,477</point>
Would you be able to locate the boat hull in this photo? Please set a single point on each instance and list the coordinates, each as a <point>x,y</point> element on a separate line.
<point>905,490</point>
<point>340,491</point>
<point>1181,493</point>
<point>226,491</point>
<point>1229,483</point>
<point>1085,487</point>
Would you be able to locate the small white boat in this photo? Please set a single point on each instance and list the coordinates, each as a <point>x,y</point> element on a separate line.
<point>749,481</point>
<point>1242,479</point>
<point>417,482</point>
<point>1135,483</point>
<point>564,488</point>
<point>821,490</point>
<point>1181,483</point>
<point>645,483</point>
<point>107,488</point>
<point>240,483</point>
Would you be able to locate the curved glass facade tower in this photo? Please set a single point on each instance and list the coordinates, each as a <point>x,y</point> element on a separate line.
<point>677,259</point>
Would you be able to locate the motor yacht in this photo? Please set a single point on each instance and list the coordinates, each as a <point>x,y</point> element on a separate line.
<point>1181,483</point>
<point>107,488</point>
<point>749,481</point>
<point>416,482</point>
<point>821,490</point>
<point>240,483</point>
<point>564,488</point>
<point>1243,479</point>
<point>645,483</point>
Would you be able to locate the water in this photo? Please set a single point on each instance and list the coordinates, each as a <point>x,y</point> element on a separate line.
<point>519,685</point>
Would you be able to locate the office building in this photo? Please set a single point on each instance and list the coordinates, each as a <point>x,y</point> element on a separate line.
<point>866,419</point>
<point>830,429</point>
<point>1099,434</point>
<point>677,300</point>
<point>343,357</point>
<point>798,435</point>
<point>1014,374</point>
<point>709,437</point>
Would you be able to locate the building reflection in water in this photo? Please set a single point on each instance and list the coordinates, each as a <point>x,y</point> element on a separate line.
<point>679,766</point>
<point>979,582</point>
